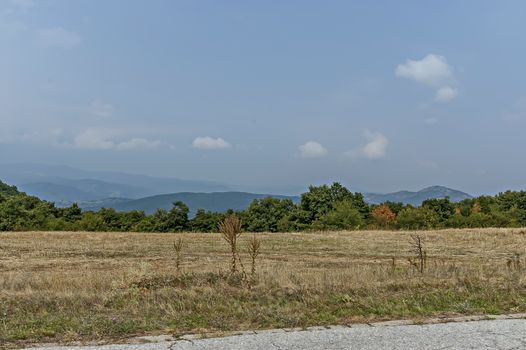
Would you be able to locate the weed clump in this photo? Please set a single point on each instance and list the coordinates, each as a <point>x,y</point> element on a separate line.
<point>417,246</point>
<point>178,249</point>
<point>230,229</point>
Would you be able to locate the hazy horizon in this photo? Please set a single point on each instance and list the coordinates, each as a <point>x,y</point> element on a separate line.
<point>289,190</point>
<point>382,97</point>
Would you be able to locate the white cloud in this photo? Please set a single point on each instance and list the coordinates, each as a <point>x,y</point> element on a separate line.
<point>432,70</point>
<point>138,143</point>
<point>96,139</point>
<point>93,139</point>
<point>375,148</point>
<point>58,37</point>
<point>312,149</point>
<point>208,142</point>
<point>377,145</point>
<point>89,139</point>
<point>446,94</point>
<point>101,108</point>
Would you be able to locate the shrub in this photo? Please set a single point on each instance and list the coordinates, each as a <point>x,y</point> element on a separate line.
<point>383,216</point>
<point>417,219</point>
<point>344,216</point>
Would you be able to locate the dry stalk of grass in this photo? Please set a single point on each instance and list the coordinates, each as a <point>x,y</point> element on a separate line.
<point>417,246</point>
<point>254,249</point>
<point>178,249</point>
<point>230,229</point>
<point>515,262</point>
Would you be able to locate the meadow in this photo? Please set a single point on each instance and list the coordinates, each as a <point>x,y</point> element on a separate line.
<point>71,286</point>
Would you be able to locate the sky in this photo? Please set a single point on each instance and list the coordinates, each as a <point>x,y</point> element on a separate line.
<point>379,95</point>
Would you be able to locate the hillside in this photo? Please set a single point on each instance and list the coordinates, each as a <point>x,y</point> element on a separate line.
<point>416,198</point>
<point>215,201</point>
<point>222,201</point>
<point>71,190</point>
<point>7,190</point>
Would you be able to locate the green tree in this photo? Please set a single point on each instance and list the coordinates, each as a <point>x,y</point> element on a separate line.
<point>177,219</point>
<point>320,200</point>
<point>7,190</point>
<point>90,222</point>
<point>205,221</point>
<point>343,216</point>
<point>395,207</point>
<point>265,214</point>
<point>72,213</point>
<point>441,206</point>
<point>417,219</point>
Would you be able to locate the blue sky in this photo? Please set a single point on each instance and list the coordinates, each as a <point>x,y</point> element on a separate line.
<point>380,95</point>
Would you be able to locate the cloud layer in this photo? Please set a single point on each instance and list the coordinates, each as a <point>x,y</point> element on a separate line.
<point>208,142</point>
<point>95,139</point>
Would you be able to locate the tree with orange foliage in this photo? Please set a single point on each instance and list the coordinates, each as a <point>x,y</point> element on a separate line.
<point>383,216</point>
<point>476,207</point>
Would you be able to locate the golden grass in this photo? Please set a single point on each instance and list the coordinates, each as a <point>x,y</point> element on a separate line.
<point>64,286</point>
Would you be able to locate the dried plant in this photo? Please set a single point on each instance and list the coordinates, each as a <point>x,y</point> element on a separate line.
<point>417,245</point>
<point>254,249</point>
<point>178,248</point>
<point>514,262</point>
<point>230,229</point>
<point>393,264</point>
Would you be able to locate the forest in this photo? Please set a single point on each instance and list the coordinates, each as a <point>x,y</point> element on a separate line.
<point>325,207</point>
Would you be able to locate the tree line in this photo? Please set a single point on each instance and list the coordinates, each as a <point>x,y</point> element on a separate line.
<point>323,207</point>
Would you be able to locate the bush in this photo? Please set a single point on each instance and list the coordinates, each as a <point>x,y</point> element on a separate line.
<point>265,214</point>
<point>383,216</point>
<point>344,216</point>
<point>417,219</point>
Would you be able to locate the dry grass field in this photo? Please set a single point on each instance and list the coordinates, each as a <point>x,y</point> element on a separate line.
<point>62,287</point>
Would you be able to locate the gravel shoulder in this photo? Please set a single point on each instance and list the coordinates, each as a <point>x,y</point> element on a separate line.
<point>487,332</point>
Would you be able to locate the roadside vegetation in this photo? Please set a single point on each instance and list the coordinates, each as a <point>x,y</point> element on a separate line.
<point>321,208</point>
<point>68,286</point>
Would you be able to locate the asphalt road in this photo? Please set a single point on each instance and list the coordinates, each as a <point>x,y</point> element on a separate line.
<point>489,334</point>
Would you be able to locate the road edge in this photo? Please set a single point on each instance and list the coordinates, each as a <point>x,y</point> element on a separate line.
<point>160,338</point>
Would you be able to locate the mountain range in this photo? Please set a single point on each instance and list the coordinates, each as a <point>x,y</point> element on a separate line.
<point>416,198</point>
<point>65,185</point>
<point>215,201</point>
<point>93,190</point>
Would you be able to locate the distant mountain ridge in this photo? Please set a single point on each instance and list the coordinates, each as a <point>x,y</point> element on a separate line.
<point>222,201</point>
<point>63,184</point>
<point>93,190</point>
<point>416,198</point>
<point>214,201</point>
